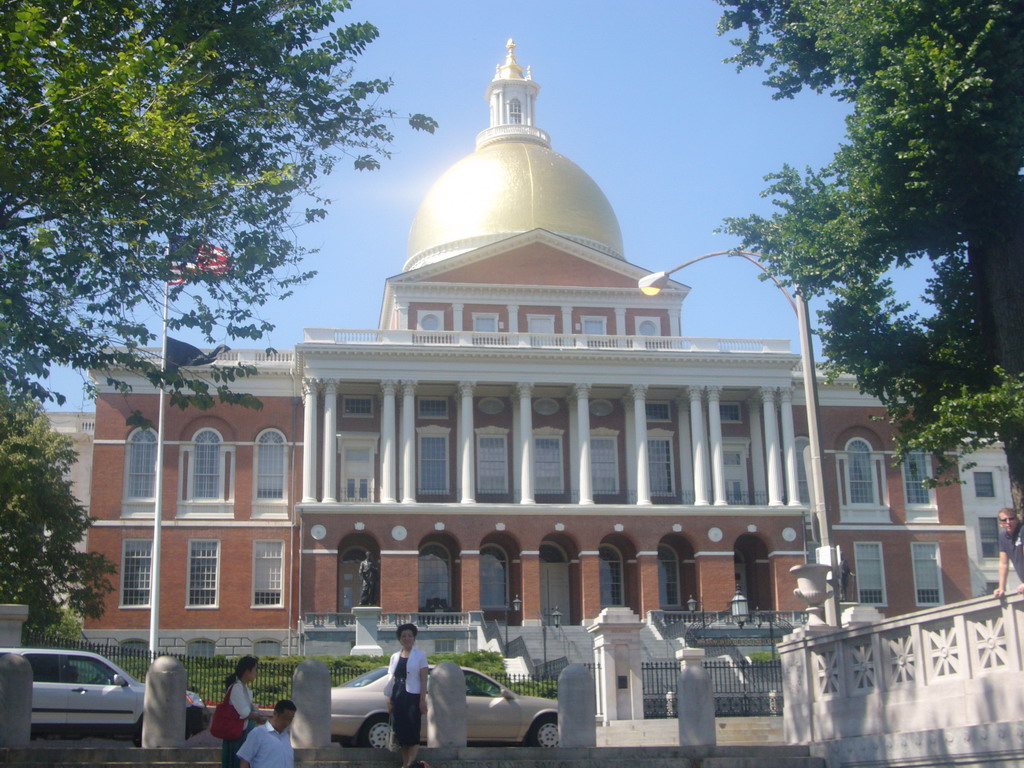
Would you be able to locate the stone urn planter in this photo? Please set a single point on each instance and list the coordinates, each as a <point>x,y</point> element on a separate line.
<point>812,588</point>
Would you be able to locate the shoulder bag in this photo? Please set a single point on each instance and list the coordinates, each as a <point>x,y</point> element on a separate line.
<point>226,723</point>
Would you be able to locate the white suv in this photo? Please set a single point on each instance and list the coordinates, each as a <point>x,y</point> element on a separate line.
<point>78,693</point>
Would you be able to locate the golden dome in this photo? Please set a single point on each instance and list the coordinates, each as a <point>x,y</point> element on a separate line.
<point>505,188</point>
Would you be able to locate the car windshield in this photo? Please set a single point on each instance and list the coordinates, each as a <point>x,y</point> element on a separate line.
<point>366,678</point>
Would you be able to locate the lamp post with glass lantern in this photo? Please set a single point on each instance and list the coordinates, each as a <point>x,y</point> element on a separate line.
<point>652,284</point>
<point>739,608</point>
<point>516,605</point>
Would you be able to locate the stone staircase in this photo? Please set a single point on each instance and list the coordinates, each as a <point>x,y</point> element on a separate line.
<point>789,756</point>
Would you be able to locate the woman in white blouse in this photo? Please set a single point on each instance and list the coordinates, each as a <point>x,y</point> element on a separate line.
<point>407,694</point>
<point>241,699</point>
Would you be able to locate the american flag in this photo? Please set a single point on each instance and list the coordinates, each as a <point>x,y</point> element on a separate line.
<point>207,258</point>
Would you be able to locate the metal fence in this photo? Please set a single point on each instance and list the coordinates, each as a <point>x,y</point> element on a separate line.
<point>741,689</point>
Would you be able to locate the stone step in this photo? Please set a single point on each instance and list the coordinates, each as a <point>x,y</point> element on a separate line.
<point>783,756</point>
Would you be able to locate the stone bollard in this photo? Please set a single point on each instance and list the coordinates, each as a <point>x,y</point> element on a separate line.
<point>577,707</point>
<point>163,718</point>
<point>15,700</point>
<point>695,702</point>
<point>311,692</point>
<point>446,706</point>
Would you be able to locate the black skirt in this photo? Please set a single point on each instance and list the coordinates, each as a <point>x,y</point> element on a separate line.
<point>405,710</point>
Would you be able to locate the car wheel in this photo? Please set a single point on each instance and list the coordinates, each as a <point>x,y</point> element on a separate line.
<point>543,732</point>
<point>374,732</point>
<point>137,735</point>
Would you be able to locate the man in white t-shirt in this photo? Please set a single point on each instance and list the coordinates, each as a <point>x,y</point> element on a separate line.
<point>270,745</point>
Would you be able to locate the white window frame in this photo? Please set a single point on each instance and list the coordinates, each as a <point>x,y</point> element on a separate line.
<point>861,551</point>
<point>265,574</point>
<point>874,511</point>
<point>345,399</point>
<point>132,445</point>
<point>917,547</point>
<point>192,544</point>
<point>658,405</point>
<point>270,506</point>
<point>423,315</point>
<point>485,318</point>
<point>532,321</point>
<point>991,484</point>
<point>639,320</point>
<point>600,320</point>
<point>491,433</point>
<point>549,433</point>
<point>357,441</point>
<point>727,419</point>
<point>140,544</point>
<point>433,432</point>
<point>732,477</point>
<point>219,507</point>
<point>667,437</point>
<point>439,399</point>
<point>515,112</point>
<point>992,537</point>
<point>609,437</point>
<point>918,511</point>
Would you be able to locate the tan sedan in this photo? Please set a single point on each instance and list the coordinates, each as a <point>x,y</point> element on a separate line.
<point>494,714</point>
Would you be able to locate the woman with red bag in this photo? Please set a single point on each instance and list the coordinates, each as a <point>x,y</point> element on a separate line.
<point>238,694</point>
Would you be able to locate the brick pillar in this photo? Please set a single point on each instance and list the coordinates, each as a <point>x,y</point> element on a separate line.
<point>470,581</point>
<point>783,582</point>
<point>647,572</point>
<point>399,582</point>
<point>716,580</point>
<point>529,589</point>
<point>590,585</point>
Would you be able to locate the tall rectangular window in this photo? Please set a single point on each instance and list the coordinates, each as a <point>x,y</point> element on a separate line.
<point>867,557</point>
<point>547,465</point>
<point>659,466</point>
<point>267,572</point>
<point>433,464</point>
<point>206,477</point>
<point>604,465</point>
<point>491,464</point>
<point>270,465</point>
<point>141,464</point>
<point>988,530</point>
<point>203,559</point>
<point>915,472</point>
<point>357,471</point>
<point>136,570</point>
<point>984,486</point>
<point>927,574</point>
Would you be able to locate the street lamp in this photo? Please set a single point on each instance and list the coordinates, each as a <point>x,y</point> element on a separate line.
<point>739,608</point>
<point>652,284</point>
<point>516,605</point>
<point>691,604</point>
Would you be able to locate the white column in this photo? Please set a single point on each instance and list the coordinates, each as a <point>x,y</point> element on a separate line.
<point>567,321</point>
<point>330,440</point>
<point>771,440</point>
<point>789,447</point>
<point>620,321</point>
<point>757,449</point>
<point>457,317</point>
<point>387,439</point>
<point>525,392</point>
<point>309,395</point>
<point>643,480</point>
<point>685,450</point>
<point>403,316</point>
<point>583,435</point>
<point>408,442</point>
<point>717,456</point>
<point>700,448</point>
<point>513,318</point>
<point>467,435</point>
<point>630,440</point>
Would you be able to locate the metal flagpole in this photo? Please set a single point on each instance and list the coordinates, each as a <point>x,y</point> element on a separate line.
<point>158,503</point>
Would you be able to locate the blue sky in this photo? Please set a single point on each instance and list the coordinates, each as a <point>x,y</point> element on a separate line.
<point>638,95</point>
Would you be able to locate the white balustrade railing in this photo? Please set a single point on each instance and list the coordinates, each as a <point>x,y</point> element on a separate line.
<point>954,666</point>
<point>543,341</point>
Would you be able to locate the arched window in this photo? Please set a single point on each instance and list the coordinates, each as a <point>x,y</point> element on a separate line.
<point>493,577</point>
<point>435,578</point>
<point>270,457</point>
<point>611,576</point>
<point>207,481</point>
<point>860,479</point>
<point>668,577</point>
<point>515,112</point>
<point>141,464</point>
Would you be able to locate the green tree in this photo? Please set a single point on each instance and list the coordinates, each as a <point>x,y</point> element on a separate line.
<point>126,122</point>
<point>41,523</point>
<point>930,171</point>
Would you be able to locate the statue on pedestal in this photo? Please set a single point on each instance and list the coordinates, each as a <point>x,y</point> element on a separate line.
<point>369,570</point>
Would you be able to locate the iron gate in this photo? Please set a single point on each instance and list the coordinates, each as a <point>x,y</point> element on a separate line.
<point>741,689</point>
